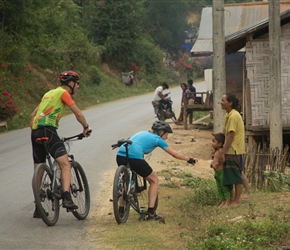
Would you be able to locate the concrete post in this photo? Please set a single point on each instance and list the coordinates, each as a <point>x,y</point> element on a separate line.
<point>219,68</point>
<point>275,99</point>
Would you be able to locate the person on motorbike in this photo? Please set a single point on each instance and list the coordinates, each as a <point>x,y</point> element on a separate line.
<point>161,98</point>
<point>144,142</point>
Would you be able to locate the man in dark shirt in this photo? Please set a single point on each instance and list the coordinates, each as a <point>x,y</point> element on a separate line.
<point>191,88</point>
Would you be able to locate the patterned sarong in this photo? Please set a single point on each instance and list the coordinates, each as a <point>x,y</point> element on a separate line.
<point>233,168</point>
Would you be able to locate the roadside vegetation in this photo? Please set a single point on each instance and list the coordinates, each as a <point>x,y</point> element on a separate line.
<point>97,38</point>
<point>193,220</point>
<point>188,200</point>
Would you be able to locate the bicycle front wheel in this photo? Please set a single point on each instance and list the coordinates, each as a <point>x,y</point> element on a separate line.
<point>121,204</point>
<point>142,194</point>
<point>80,192</point>
<point>46,202</point>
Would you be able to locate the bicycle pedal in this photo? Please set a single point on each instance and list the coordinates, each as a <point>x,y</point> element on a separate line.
<point>70,210</point>
<point>142,215</point>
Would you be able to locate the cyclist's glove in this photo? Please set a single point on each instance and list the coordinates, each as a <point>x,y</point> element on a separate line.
<point>192,160</point>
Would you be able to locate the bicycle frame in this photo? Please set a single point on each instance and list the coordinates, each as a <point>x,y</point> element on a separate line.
<point>53,167</point>
<point>129,170</point>
<point>126,143</point>
<point>132,174</point>
<point>125,193</point>
<point>47,186</point>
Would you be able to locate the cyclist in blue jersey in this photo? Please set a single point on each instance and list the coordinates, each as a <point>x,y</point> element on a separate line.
<point>145,142</point>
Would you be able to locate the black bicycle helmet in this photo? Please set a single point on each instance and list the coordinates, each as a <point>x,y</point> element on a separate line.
<point>161,125</point>
<point>68,76</point>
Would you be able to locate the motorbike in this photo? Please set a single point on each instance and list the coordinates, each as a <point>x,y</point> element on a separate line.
<point>162,111</point>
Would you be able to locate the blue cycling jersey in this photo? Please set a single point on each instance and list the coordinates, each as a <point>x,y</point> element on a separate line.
<point>143,142</point>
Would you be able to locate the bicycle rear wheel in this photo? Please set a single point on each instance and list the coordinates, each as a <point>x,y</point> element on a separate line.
<point>46,202</point>
<point>80,192</point>
<point>121,204</point>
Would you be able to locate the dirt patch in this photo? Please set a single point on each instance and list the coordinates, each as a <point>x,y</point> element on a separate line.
<point>191,142</point>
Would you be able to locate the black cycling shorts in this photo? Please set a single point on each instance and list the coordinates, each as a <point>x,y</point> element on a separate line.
<point>56,146</point>
<point>141,167</point>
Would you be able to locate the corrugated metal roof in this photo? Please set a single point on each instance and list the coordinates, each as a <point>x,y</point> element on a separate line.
<point>236,41</point>
<point>236,17</point>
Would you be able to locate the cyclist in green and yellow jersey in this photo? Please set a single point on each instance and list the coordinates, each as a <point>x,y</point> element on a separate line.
<point>44,123</point>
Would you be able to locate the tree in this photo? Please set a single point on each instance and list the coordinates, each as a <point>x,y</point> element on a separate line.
<point>114,25</point>
<point>166,22</point>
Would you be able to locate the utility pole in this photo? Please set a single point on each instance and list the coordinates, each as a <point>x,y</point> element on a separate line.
<point>275,99</point>
<point>219,68</point>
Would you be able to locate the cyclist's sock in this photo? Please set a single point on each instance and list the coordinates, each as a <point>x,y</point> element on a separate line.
<point>151,210</point>
<point>121,209</point>
<point>66,195</point>
<point>67,201</point>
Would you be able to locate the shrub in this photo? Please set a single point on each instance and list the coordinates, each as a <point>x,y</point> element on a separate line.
<point>193,66</point>
<point>277,181</point>
<point>205,192</point>
<point>95,75</point>
<point>183,65</point>
<point>7,106</point>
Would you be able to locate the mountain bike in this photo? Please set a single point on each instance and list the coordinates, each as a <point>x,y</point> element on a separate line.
<point>128,190</point>
<point>47,187</point>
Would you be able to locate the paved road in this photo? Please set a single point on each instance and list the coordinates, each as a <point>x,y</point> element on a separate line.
<point>110,122</point>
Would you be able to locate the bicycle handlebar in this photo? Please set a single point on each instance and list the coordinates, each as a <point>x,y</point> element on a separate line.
<point>120,143</point>
<point>78,136</point>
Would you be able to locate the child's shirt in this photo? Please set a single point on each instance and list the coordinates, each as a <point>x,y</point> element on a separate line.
<point>217,160</point>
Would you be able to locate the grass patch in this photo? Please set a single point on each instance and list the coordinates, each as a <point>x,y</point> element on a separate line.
<point>193,220</point>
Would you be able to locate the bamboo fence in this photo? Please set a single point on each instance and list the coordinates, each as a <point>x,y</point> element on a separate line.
<point>260,160</point>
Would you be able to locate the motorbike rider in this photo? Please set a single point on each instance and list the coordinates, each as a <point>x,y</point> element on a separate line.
<point>161,98</point>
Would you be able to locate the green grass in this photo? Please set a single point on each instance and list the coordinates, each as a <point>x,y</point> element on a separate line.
<point>193,220</point>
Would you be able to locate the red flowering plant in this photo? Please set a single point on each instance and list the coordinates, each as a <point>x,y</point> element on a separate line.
<point>199,64</point>
<point>7,106</point>
<point>183,65</point>
<point>193,65</point>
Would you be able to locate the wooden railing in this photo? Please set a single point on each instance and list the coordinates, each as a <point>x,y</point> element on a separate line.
<point>202,102</point>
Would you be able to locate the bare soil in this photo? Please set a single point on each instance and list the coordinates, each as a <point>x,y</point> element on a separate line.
<point>193,142</point>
